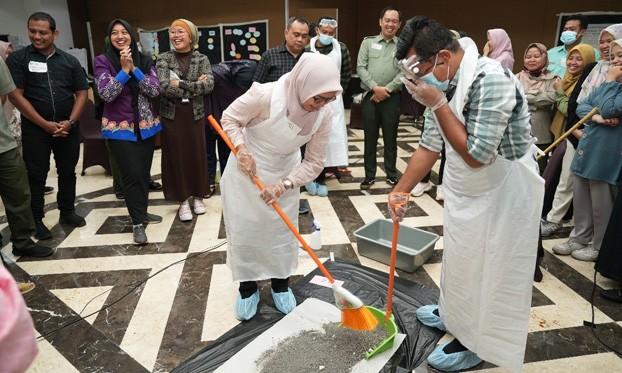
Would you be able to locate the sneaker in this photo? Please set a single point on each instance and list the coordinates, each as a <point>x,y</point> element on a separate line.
<point>37,251</point>
<point>420,188</point>
<point>426,315</point>
<point>118,192</point>
<point>140,237</point>
<point>589,254</point>
<point>48,190</point>
<point>303,208</point>
<point>367,183</point>
<point>439,193</point>
<point>184,212</point>
<point>322,190</point>
<point>392,181</point>
<point>285,301</point>
<point>152,219</point>
<point>246,308</point>
<point>154,185</point>
<point>311,188</point>
<point>568,247</point>
<point>548,228</point>
<point>72,219</point>
<point>43,233</point>
<point>441,360</point>
<point>198,206</point>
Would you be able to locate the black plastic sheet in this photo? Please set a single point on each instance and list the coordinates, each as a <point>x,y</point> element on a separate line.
<point>369,285</point>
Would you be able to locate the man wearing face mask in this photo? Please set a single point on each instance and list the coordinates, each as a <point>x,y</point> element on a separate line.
<point>493,195</point>
<point>337,153</point>
<point>574,30</point>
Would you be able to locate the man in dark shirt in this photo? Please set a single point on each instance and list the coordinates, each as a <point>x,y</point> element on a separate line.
<point>280,60</point>
<point>47,80</point>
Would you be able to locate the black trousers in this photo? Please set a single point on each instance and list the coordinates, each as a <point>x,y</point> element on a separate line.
<point>134,159</point>
<point>248,288</point>
<point>37,146</point>
<point>213,141</point>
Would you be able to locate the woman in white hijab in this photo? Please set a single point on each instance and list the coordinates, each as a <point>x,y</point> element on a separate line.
<point>267,125</point>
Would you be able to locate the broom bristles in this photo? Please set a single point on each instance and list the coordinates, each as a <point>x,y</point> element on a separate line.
<point>360,319</point>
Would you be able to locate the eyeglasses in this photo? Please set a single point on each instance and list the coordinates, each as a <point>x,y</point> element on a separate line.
<point>320,99</point>
<point>328,22</point>
<point>177,32</point>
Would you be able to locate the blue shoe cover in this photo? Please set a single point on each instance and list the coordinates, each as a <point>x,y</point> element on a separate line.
<point>426,315</point>
<point>322,190</point>
<point>311,188</point>
<point>246,308</point>
<point>285,301</point>
<point>452,362</point>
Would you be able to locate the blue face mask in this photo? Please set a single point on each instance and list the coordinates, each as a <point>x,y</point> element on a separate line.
<point>325,39</point>
<point>568,37</point>
<point>429,78</point>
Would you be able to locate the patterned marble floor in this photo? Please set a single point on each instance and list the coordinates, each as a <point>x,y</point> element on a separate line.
<point>169,299</point>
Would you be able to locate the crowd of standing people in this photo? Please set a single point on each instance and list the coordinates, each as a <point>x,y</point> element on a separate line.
<point>285,116</point>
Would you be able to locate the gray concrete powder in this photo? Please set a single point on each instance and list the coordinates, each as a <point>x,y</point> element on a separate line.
<point>334,349</point>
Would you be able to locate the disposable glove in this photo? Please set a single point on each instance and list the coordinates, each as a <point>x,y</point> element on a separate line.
<point>271,193</point>
<point>397,214</point>
<point>246,163</point>
<point>426,94</point>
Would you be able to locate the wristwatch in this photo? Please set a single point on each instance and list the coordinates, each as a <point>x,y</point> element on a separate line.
<point>72,122</point>
<point>288,184</point>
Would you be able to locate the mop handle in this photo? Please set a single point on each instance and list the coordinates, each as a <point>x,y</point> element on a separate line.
<point>274,204</point>
<point>567,133</point>
<point>396,228</point>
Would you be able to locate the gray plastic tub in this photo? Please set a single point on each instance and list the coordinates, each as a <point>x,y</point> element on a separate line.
<point>414,246</point>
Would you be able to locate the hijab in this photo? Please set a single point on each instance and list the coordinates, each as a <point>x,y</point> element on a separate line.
<point>501,47</point>
<point>588,55</point>
<point>236,72</point>
<point>190,28</point>
<point>314,74</point>
<point>141,61</point>
<point>598,75</point>
<point>534,82</point>
<point>569,82</point>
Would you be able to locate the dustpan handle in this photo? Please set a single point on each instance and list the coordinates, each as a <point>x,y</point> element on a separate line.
<point>396,228</point>
<point>274,204</point>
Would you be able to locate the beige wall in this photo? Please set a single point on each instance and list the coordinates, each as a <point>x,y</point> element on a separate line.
<point>526,21</point>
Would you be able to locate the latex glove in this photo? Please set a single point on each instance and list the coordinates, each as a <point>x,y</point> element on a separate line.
<point>426,94</point>
<point>271,193</point>
<point>398,213</point>
<point>246,163</point>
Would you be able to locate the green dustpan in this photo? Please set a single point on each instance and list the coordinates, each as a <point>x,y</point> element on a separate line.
<point>390,327</point>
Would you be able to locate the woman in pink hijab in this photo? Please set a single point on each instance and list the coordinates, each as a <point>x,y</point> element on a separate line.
<point>18,346</point>
<point>499,47</point>
<point>268,125</point>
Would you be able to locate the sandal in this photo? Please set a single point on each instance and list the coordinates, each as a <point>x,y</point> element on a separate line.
<point>26,287</point>
<point>212,190</point>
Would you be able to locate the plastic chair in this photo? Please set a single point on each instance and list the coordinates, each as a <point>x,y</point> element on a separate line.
<point>95,151</point>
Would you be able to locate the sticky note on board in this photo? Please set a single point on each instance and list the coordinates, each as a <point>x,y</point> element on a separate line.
<point>323,281</point>
<point>251,29</point>
<point>227,31</point>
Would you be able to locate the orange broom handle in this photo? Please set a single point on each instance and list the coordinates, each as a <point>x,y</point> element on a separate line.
<point>275,205</point>
<point>396,228</point>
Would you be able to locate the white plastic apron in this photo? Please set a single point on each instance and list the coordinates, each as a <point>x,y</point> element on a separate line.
<point>260,246</point>
<point>491,223</point>
<point>337,151</point>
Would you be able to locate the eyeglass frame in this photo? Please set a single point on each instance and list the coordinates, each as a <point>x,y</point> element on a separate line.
<point>328,22</point>
<point>320,99</point>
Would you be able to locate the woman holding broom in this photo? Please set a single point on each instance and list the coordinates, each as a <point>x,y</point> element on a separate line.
<point>267,125</point>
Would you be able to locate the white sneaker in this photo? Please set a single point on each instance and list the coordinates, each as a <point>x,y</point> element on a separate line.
<point>589,254</point>
<point>198,206</point>
<point>420,188</point>
<point>439,193</point>
<point>568,247</point>
<point>184,212</point>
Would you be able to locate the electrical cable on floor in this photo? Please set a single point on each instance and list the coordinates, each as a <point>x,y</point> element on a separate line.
<point>592,325</point>
<point>43,336</point>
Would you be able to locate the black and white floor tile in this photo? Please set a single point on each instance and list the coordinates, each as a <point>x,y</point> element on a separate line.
<point>170,298</point>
